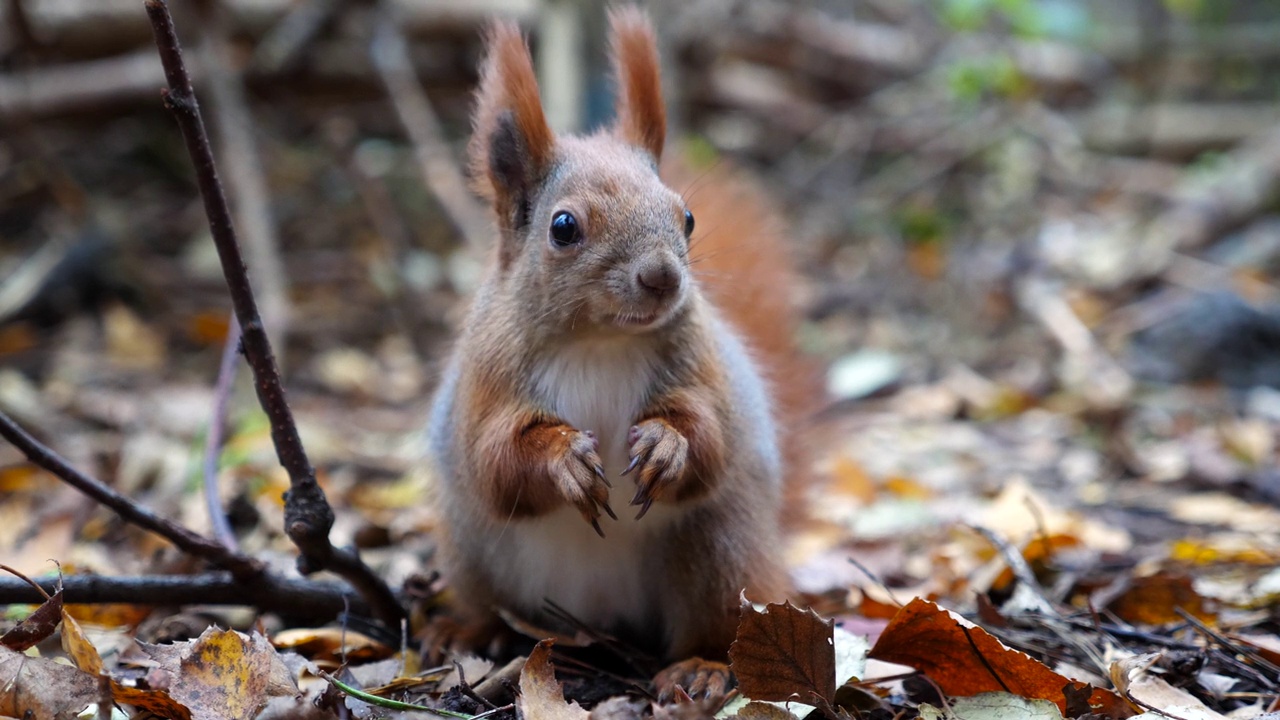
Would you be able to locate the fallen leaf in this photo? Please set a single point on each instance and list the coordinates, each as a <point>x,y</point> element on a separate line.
<point>154,701</point>
<point>37,687</point>
<point>784,653</point>
<point>1132,679</point>
<point>756,710</point>
<point>541,696</point>
<point>118,615</point>
<point>333,645</point>
<point>222,675</point>
<point>229,675</point>
<point>82,652</point>
<point>37,626</point>
<point>964,660</point>
<point>1154,600</point>
<point>995,706</point>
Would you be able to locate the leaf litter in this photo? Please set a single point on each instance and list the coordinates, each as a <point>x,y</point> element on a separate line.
<point>1145,512</point>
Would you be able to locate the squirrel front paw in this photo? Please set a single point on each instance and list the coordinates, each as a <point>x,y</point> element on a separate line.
<point>579,475</point>
<point>659,452</point>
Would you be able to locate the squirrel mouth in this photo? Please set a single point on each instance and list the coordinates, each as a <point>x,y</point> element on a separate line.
<point>636,320</point>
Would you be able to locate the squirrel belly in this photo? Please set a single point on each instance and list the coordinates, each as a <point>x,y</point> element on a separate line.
<point>657,580</point>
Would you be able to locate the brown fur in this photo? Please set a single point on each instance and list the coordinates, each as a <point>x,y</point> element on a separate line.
<point>700,441</point>
<point>642,115</point>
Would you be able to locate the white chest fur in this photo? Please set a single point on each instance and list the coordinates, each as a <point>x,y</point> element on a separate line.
<point>599,386</point>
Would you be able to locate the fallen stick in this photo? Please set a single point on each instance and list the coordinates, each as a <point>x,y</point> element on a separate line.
<point>321,601</point>
<point>308,516</point>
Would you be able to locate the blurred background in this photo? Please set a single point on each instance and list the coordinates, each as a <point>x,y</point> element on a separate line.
<point>1040,242</point>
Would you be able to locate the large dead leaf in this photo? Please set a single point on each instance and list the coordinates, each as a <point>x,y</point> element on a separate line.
<point>41,688</point>
<point>541,696</point>
<point>784,653</point>
<point>229,675</point>
<point>964,660</point>
<point>222,675</point>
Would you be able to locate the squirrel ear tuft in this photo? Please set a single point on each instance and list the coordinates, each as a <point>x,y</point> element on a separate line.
<point>511,144</point>
<point>642,116</point>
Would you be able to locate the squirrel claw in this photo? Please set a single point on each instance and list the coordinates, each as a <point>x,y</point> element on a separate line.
<point>595,523</point>
<point>608,510</point>
<point>634,462</point>
<point>600,474</point>
<point>647,504</point>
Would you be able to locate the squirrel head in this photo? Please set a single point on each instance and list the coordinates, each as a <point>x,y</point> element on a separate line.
<point>591,238</point>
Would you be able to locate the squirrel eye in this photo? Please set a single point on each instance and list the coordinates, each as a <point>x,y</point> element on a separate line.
<point>564,229</point>
<point>688,223</point>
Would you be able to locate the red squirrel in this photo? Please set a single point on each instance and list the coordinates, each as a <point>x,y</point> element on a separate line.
<point>607,433</point>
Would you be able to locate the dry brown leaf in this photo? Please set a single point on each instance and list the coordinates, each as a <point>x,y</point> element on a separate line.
<point>784,653</point>
<point>117,615</point>
<point>229,675</point>
<point>41,688</point>
<point>37,626</point>
<point>540,693</point>
<point>961,658</point>
<point>327,645</point>
<point>82,652</point>
<point>221,675</point>
<point>1037,552</point>
<point>157,702</point>
<point>1154,600</point>
<point>763,711</point>
<point>850,479</point>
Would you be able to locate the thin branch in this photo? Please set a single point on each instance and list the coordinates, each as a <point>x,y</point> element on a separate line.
<point>321,601</point>
<point>308,517</point>
<point>243,568</point>
<point>213,443</point>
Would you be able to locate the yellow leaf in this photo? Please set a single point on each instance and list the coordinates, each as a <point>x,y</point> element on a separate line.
<point>82,652</point>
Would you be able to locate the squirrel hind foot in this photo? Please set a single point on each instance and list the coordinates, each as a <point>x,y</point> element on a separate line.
<point>695,677</point>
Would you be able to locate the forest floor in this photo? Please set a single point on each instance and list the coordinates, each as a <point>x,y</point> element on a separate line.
<point>1047,477</point>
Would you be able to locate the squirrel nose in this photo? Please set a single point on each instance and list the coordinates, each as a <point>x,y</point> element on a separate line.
<point>659,279</point>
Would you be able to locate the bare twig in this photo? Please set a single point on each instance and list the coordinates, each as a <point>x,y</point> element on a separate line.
<point>213,443</point>
<point>308,516</point>
<point>243,568</point>
<point>318,600</point>
<point>390,54</point>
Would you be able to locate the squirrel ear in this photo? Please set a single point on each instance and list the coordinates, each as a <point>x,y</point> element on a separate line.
<point>642,116</point>
<point>511,143</point>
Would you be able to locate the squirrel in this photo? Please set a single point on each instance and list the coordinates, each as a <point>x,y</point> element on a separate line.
<point>617,353</point>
